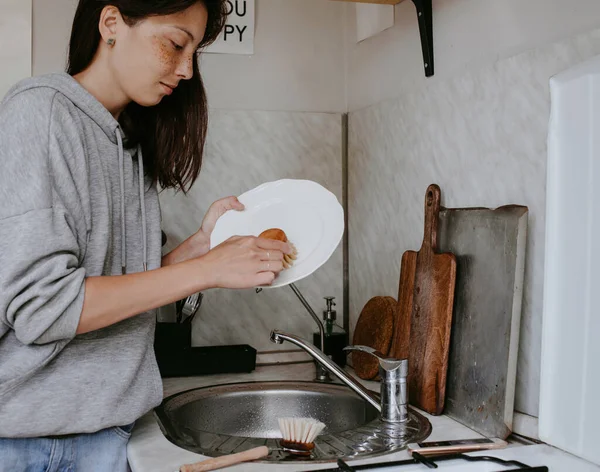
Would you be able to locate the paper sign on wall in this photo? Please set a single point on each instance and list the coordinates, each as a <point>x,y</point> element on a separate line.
<point>372,19</point>
<point>238,35</point>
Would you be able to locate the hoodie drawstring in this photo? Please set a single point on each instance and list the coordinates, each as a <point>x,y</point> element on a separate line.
<point>122,184</point>
<point>142,204</point>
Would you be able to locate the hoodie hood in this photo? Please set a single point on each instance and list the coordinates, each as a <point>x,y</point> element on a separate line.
<point>87,103</point>
<point>76,93</point>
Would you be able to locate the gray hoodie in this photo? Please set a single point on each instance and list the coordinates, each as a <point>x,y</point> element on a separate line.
<point>74,203</point>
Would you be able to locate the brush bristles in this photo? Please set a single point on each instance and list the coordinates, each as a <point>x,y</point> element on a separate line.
<point>288,259</point>
<point>303,430</point>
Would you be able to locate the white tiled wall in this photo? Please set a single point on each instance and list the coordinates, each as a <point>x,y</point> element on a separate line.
<point>482,137</point>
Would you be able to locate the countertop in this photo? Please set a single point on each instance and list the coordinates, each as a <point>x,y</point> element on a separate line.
<point>150,451</point>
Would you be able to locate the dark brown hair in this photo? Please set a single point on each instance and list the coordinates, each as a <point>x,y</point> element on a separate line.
<point>172,133</point>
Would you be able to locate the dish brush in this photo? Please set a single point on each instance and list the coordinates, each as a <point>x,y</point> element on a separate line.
<point>298,436</point>
<point>279,235</point>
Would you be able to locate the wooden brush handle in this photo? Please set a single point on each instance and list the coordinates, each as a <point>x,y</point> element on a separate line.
<point>226,461</point>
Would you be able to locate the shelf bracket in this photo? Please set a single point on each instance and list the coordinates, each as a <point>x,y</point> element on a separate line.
<point>425,17</point>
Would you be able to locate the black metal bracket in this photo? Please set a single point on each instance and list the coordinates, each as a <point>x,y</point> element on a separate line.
<point>425,17</point>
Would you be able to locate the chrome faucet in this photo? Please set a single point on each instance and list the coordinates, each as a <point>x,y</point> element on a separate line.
<point>322,375</point>
<point>393,372</point>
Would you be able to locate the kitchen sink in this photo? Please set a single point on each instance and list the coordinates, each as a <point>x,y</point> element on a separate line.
<point>230,418</point>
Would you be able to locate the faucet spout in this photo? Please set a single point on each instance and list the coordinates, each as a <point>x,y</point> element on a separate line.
<point>322,374</point>
<point>275,338</point>
<point>278,337</point>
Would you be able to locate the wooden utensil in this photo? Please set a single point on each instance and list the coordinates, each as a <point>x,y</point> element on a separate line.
<point>424,315</point>
<point>374,328</point>
<point>216,463</point>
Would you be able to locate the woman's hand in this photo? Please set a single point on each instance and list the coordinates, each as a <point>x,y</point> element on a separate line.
<point>199,243</point>
<point>245,262</point>
<point>216,211</point>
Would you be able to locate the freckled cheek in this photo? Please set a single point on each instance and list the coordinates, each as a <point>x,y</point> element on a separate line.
<point>166,58</point>
<point>189,64</point>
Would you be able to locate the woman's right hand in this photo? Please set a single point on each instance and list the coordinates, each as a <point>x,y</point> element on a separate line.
<point>245,262</point>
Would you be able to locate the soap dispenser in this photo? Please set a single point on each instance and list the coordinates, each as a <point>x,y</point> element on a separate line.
<point>336,339</point>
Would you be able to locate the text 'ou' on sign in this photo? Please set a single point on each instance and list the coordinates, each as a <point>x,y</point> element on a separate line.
<point>238,35</point>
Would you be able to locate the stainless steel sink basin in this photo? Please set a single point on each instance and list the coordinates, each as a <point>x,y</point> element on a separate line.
<point>230,418</point>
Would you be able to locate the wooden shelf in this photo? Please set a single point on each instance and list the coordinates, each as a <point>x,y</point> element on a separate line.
<point>378,2</point>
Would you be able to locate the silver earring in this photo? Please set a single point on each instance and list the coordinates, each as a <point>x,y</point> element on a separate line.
<point>111,42</point>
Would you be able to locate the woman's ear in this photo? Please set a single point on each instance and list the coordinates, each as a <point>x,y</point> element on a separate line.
<point>110,20</point>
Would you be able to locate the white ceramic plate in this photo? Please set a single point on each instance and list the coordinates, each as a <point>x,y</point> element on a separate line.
<point>310,215</point>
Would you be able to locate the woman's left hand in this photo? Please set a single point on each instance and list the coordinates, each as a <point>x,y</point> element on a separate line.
<point>216,211</point>
<point>199,243</point>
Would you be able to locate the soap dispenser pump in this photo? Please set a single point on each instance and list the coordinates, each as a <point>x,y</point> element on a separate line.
<point>336,338</point>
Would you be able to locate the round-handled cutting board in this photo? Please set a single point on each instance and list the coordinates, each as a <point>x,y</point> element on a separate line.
<point>374,328</point>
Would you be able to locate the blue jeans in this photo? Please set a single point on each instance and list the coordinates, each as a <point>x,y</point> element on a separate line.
<point>103,451</point>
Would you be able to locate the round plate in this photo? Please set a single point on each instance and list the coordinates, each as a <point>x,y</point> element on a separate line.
<point>310,215</point>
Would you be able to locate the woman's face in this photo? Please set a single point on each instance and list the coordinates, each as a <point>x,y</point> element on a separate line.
<point>150,58</point>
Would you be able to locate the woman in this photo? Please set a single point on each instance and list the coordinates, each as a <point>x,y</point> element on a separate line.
<point>82,155</point>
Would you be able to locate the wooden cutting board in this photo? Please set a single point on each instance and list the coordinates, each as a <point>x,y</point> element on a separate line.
<point>374,328</point>
<point>424,316</point>
<point>490,248</point>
